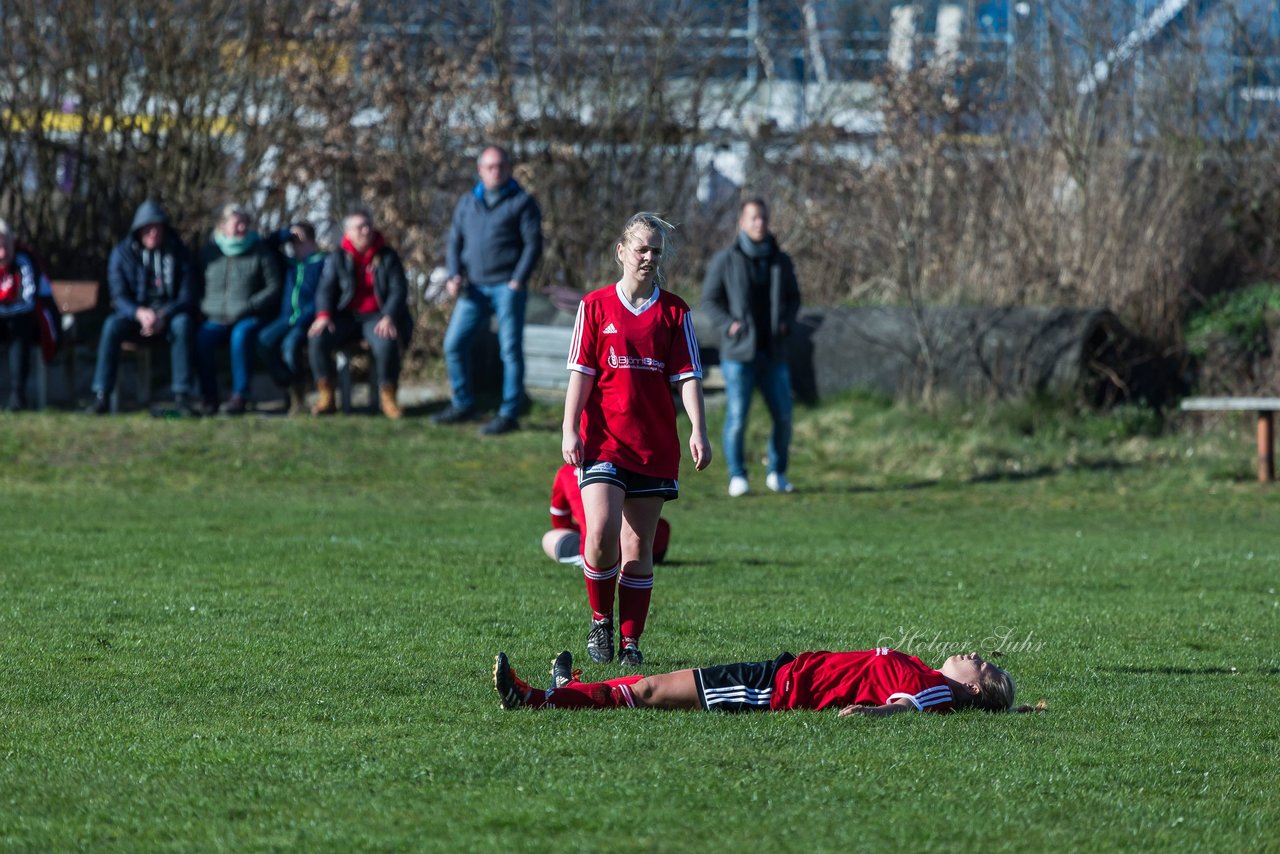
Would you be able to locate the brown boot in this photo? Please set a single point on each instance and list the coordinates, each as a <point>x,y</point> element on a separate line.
<point>387,397</point>
<point>297,399</point>
<point>325,404</point>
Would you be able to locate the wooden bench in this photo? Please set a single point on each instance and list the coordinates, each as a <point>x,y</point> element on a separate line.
<point>1265,407</point>
<point>73,297</point>
<point>76,297</point>
<point>546,352</point>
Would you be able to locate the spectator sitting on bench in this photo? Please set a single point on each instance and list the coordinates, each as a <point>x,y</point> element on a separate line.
<point>21,285</point>
<point>281,342</point>
<point>241,287</point>
<point>152,299</point>
<point>363,294</point>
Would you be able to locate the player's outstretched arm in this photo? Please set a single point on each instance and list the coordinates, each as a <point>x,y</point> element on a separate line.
<point>877,711</point>
<point>699,444</point>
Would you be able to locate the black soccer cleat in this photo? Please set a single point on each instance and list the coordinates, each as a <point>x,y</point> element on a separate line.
<point>513,692</point>
<point>562,670</point>
<point>630,655</point>
<point>600,640</point>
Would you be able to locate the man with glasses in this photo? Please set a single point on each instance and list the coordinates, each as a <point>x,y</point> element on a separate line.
<point>494,244</point>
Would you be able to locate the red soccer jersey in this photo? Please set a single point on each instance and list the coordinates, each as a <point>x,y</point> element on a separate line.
<point>818,680</point>
<point>634,354</point>
<point>566,500</point>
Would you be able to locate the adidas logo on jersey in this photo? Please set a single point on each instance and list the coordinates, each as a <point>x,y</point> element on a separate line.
<point>610,330</point>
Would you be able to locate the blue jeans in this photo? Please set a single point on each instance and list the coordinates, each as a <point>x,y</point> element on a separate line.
<point>476,303</point>
<point>180,333</point>
<point>281,346</point>
<point>740,381</point>
<point>243,336</point>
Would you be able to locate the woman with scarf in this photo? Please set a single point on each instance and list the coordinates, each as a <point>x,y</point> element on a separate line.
<point>363,294</point>
<point>751,297</point>
<point>241,287</point>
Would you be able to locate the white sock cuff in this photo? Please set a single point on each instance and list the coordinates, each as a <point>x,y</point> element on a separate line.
<point>644,582</point>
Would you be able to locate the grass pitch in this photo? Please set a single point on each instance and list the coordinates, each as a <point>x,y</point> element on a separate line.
<point>266,633</point>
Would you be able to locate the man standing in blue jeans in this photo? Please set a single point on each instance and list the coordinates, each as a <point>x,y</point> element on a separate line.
<point>750,294</point>
<point>495,243</point>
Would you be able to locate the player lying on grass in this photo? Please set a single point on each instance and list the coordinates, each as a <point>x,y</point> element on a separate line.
<point>879,681</point>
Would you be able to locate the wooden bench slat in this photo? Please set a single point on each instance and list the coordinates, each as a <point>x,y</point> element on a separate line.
<point>1265,409</point>
<point>74,296</point>
<point>1231,404</point>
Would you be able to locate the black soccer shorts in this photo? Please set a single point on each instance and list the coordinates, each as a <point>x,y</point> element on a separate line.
<point>744,687</point>
<point>632,484</point>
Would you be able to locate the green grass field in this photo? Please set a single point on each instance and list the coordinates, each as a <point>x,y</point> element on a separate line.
<point>267,633</point>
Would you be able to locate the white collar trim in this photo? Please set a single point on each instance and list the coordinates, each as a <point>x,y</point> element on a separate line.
<point>636,310</point>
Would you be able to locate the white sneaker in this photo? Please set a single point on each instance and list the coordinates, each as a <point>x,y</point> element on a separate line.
<point>738,486</point>
<point>778,482</point>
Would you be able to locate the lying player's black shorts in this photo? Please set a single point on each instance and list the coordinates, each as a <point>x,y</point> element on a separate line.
<point>633,484</point>
<point>745,687</point>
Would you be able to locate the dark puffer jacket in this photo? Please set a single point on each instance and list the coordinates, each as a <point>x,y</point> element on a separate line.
<point>390,286</point>
<point>240,286</point>
<point>130,277</point>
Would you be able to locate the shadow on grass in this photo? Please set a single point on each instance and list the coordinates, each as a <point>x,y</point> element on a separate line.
<point>425,410</point>
<point>1183,671</point>
<point>670,563</point>
<point>1037,473</point>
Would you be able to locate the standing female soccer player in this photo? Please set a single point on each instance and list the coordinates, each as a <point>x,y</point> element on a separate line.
<point>631,342</point>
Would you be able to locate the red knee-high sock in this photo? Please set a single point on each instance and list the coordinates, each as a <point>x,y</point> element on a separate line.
<point>634,592</point>
<point>614,694</point>
<point>601,585</point>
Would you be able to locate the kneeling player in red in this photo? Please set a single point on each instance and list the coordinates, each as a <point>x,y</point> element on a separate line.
<point>563,543</point>
<point>879,681</point>
<point>633,342</point>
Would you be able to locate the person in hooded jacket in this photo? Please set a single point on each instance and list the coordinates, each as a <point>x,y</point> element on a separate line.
<point>363,294</point>
<point>153,300</point>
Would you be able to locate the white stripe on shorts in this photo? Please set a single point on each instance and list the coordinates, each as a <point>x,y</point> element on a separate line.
<point>738,694</point>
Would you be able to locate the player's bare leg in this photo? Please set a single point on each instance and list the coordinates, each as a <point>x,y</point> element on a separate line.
<point>602,505</point>
<point>676,690</point>
<point>562,545</point>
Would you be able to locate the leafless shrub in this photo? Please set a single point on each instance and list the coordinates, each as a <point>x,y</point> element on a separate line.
<point>1009,186</point>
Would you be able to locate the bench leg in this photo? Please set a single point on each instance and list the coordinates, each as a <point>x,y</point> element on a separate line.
<point>1266,447</point>
<point>69,369</point>
<point>343,363</point>
<point>144,376</point>
<point>42,380</point>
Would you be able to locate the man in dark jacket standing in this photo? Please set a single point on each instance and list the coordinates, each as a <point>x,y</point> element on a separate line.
<point>750,294</point>
<point>152,300</point>
<point>363,293</point>
<point>495,243</point>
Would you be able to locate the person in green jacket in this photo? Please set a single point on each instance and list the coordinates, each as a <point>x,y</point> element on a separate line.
<point>242,284</point>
